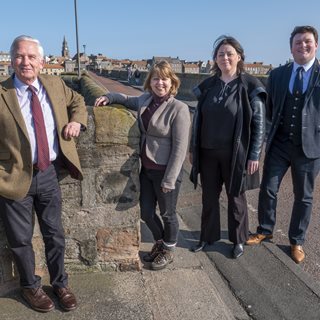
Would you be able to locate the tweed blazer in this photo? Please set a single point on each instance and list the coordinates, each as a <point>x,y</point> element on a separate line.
<point>16,168</point>
<point>167,135</point>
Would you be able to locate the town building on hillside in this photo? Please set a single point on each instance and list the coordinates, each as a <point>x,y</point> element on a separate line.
<point>84,62</point>
<point>5,56</point>
<point>84,59</point>
<point>105,64</point>
<point>99,62</point>
<point>176,63</point>
<point>55,59</point>
<point>257,68</point>
<point>52,69</point>
<point>141,65</point>
<point>96,58</point>
<point>190,67</point>
<point>70,66</point>
<point>120,64</point>
<point>5,68</point>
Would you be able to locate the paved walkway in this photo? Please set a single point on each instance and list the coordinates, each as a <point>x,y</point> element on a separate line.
<point>186,290</point>
<point>263,284</point>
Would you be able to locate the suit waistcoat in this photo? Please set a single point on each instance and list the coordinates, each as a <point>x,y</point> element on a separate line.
<point>291,119</point>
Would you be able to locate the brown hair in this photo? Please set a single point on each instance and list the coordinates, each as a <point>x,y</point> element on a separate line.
<point>163,70</point>
<point>303,29</point>
<point>236,45</point>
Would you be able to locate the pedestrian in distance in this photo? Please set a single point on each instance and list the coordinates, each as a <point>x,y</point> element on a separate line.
<point>227,137</point>
<point>130,71</point>
<point>164,124</point>
<point>293,109</point>
<point>137,75</point>
<point>39,118</point>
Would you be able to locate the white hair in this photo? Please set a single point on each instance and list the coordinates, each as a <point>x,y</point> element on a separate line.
<point>25,38</point>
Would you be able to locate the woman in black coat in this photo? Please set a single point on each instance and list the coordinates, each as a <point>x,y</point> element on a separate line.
<point>227,137</point>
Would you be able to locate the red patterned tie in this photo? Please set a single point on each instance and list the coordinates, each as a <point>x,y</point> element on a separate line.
<point>40,129</point>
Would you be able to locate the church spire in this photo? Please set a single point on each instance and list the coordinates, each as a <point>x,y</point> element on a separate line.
<point>65,48</point>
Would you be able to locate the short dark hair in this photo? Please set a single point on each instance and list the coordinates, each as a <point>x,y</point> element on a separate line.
<point>236,45</point>
<point>303,29</point>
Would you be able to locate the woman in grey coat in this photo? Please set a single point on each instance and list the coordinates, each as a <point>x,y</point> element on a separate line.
<point>164,124</point>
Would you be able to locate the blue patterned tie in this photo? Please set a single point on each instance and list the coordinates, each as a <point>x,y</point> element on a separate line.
<point>298,83</point>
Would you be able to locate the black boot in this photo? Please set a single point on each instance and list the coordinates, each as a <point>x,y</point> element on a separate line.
<point>237,250</point>
<point>200,246</point>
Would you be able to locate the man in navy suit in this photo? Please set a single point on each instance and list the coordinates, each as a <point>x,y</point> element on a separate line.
<point>293,108</point>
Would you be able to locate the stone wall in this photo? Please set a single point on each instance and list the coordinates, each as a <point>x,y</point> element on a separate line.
<point>100,214</point>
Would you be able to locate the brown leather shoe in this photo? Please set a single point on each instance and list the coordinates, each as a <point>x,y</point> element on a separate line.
<point>37,299</point>
<point>66,298</point>
<point>297,253</point>
<point>257,238</point>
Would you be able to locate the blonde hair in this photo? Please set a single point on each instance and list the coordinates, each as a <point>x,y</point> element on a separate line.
<point>164,70</point>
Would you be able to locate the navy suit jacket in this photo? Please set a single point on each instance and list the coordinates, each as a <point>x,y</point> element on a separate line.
<point>277,88</point>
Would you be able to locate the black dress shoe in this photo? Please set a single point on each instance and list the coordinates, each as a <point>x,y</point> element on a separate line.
<point>237,250</point>
<point>200,246</point>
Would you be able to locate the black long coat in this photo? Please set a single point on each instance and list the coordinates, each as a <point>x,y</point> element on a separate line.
<point>249,87</point>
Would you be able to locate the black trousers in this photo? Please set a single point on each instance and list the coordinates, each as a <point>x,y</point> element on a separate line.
<point>44,197</point>
<point>214,171</point>
<point>150,195</point>
<point>281,156</point>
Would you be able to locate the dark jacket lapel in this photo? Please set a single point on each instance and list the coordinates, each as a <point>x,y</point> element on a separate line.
<point>314,80</point>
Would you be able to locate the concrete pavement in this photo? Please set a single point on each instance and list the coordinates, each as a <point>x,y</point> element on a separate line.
<point>262,284</point>
<point>190,288</point>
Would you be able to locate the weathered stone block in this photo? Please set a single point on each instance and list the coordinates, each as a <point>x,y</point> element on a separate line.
<point>117,244</point>
<point>109,120</point>
<point>88,251</point>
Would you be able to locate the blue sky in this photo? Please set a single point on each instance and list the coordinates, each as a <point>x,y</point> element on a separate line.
<point>138,29</point>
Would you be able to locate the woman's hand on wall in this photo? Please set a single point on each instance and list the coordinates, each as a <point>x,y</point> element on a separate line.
<point>101,101</point>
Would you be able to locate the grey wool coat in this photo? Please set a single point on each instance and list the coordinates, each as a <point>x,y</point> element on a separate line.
<point>167,135</point>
